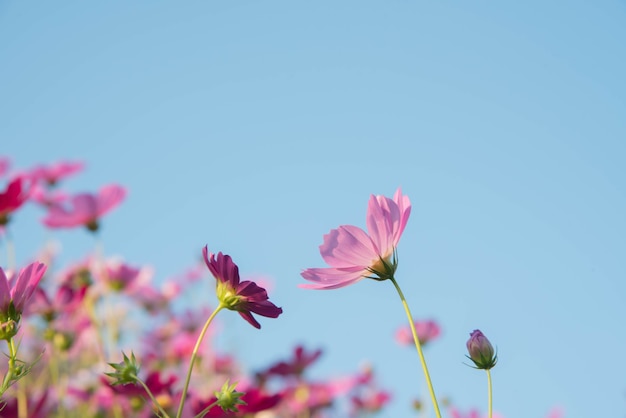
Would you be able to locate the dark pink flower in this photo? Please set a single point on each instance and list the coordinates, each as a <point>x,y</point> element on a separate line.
<point>66,300</point>
<point>85,209</point>
<point>52,173</point>
<point>353,254</point>
<point>120,276</point>
<point>12,198</point>
<point>297,365</point>
<point>244,297</point>
<point>426,331</point>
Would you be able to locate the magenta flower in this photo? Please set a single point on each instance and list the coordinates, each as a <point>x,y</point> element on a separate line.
<point>295,367</point>
<point>119,276</point>
<point>15,291</point>
<point>354,255</point>
<point>426,331</point>
<point>244,297</point>
<point>85,209</point>
<point>12,198</point>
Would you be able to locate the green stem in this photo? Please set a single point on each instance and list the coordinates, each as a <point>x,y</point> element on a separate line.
<point>154,401</point>
<point>490,393</point>
<point>419,348</point>
<point>193,358</point>
<point>6,382</point>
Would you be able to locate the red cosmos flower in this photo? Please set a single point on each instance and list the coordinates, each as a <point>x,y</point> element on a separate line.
<point>12,198</point>
<point>85,209</point>
<point>244,297</point>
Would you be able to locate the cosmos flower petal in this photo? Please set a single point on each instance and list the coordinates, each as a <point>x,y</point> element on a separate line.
<point>404,206</point>
<point>251,320</point>
<point>348,246</point>
<point>5,292</point>
<point>383,217</point>
<point>332,278</point>
<point>109,197</point>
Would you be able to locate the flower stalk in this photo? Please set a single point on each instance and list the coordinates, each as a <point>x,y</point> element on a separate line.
<point>194,354</point>
<point>429,383</point>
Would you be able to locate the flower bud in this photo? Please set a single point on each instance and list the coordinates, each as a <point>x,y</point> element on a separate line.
<point>228,398</point>
<point>481,351</point>
<point>126,371</point>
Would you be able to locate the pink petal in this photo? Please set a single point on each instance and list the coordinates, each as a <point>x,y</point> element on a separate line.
<point>5,293</point>
<point>348,246</point>
<point>109,197</point>
<point>84,209</point>
<point>404,206</point>
<point>332,278</point>
<point>383,218</point>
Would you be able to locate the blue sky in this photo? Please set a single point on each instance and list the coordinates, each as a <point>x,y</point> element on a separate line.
<point>256,127</point>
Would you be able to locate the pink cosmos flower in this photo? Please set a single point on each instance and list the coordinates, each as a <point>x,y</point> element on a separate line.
<point>119,275</point>
<point>17,289</point>
<point>426,331</point>
<point>244,297</point>
<point>85,209</point>
<point>12,198</point>
<point>353,254</point>
<point>47,197</point>
<point>52,173</point>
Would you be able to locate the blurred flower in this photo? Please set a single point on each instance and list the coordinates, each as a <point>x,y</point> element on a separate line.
<point>52,173</point>
<point>66,300</point>
<point>426,331</point>
<point>119,276</point>
<point>85,209</point>
<point>371,402</point>
<point>12,198</point>
<point>295,367</point>
<point>481,351</point>
<point>47,197</point>
<point>354,255</point>
<point>244,297</point>
<point>5,164</point>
